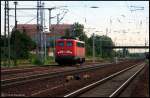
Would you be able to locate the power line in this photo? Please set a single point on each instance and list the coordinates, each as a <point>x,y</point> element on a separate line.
<point>64,12</point>
<point>22,16</point>
<point>26,5</point>
<point>35,8</point>
<point>30,20</point>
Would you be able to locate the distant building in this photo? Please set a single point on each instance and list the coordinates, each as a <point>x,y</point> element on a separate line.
<point>56,31</point>
<point>60,28</point>
<point>29,29</point>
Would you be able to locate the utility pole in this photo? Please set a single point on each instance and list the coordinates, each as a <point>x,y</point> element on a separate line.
<point>37,35</point>
<point>44,33</point>
<point>101,46</point>
<point>8,34</point>
<point>40,30</point>
<point>50,19</point>
<point>55,35</point>
<point>93,47</point>
<point>146,30</point>
<point>5,34</point>
<point>15,15</point>
<point>50,16</point>
<point>15,48</point>
<point>145,45</point>
<point>50,10</point>
<point>6,31</point>
<point>106,31</point>
<point>58,18</point>
<point>110,24</point>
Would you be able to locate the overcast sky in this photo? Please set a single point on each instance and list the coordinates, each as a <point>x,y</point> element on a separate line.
<point>124,26</point>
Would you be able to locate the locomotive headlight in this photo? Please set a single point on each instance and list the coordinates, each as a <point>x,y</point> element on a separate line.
<point>68,51</point>
<point>61,51</point>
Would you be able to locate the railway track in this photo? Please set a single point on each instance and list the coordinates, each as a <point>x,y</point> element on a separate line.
<point>15,71</point>
<point>42,83</point>
<point>28,78</point>
<point>33,71</point>
<point>19,70</point>
<point>11,73</point>
<point>110,86</point>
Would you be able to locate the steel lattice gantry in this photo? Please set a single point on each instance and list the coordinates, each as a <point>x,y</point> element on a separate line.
<point>40,37</point>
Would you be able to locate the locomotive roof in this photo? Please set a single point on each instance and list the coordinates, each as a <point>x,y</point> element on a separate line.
<point>70,40</point>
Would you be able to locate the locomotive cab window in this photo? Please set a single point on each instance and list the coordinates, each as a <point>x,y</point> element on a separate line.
<point>69,43</point>
<point>80,44</point>
<point>61,44</point>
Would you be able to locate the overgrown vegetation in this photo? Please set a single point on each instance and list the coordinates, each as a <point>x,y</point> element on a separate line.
<point>20,47</point>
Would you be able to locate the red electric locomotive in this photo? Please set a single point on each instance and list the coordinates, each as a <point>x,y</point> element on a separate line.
<point>69,51</point>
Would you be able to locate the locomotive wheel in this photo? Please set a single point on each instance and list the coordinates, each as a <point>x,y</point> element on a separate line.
<point>81,60</point>
<point>60,63</point>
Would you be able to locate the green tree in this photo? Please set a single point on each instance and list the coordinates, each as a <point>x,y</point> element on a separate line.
<point>78,31</point>
<point>122,53</point>
<point>100,42</point>
<point>4,45</point>
<point>21,44</point>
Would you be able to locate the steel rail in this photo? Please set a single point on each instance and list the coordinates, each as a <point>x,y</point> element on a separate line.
<point>9,82</point>
<point>124,85</point>
<point>44,91</point>
<point>12,71</point>
<point>4,71</point>
<point>88,87</point>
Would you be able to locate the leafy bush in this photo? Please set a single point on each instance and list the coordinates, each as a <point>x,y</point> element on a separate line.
<point>35,60</point>
<point>49,60</point>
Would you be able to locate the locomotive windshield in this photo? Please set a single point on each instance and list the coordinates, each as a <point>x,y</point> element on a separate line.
<point>61,44</point>
<point>69,43</point>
